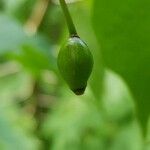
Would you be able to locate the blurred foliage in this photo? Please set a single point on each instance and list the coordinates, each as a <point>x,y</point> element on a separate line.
<point>81,123</point>
<point>37,109</point>
<point>123,30</point>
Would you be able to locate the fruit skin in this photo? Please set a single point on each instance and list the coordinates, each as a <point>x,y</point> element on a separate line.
<point>75,63</point>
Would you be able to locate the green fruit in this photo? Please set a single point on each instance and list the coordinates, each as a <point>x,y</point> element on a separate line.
<point>75,63</point>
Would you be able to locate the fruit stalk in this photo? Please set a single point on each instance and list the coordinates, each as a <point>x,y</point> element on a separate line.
<point>70,24</point>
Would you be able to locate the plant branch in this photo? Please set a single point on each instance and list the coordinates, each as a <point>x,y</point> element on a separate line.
<point>36,17</point>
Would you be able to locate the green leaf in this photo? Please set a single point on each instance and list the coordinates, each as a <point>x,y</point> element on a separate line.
<point>122,29</point>
<point>33,52</point>
<point>34,59</point>
<point>116,99</point>
<point>11,35</point>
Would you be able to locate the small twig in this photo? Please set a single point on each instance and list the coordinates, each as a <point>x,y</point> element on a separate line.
<point>34,21</point>
<point>40,113</point>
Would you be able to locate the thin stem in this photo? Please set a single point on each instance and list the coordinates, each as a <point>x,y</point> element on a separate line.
<point>70,24</point>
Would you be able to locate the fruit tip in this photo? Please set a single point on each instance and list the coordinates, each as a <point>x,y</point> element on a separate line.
<point>79,91</point>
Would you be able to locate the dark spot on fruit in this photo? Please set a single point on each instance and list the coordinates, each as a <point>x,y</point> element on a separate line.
<point>79,91</point>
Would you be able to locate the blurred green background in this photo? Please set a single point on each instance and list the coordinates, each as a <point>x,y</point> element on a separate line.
<point>37,109</point>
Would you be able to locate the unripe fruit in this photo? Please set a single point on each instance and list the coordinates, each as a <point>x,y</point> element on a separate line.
<point>75,63</point>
